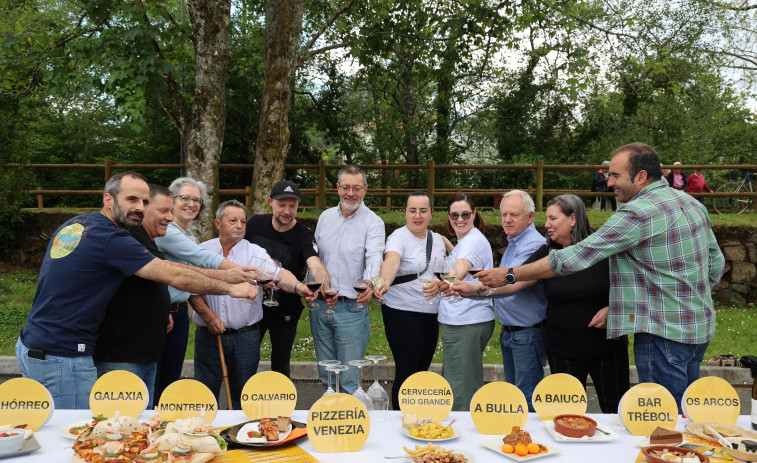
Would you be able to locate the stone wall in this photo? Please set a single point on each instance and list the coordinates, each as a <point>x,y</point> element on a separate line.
<point>739,245</point>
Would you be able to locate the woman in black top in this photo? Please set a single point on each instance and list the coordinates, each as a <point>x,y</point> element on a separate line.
<point>577,311</point>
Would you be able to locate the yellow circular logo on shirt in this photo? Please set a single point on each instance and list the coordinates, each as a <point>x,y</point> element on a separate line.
<point>118,390</point>
<point>66,240</point>
<point>25,401</point>
<point>646,406</point>
<point>711,400</point>
<point>186,398</point>
<point>427,395</point>
<point>338,423</point>
<point>558,394</point>
<point>268,394</point>
<point>497,407</point>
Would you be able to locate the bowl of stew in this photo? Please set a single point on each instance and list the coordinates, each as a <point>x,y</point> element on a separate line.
<point>575,425</point>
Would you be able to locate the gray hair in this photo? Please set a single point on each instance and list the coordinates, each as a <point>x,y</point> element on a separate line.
<point>352,170</point>
<point>113,185</point>
<point>528,203</point>
<point>182,181</point>
<point>572,204</point>
<point>221,211</point>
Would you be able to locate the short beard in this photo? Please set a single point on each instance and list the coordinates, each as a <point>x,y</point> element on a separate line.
<point>350,208</point>
<point>122,220</point>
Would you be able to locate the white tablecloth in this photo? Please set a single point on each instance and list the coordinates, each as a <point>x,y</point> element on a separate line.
<point>385,439</point>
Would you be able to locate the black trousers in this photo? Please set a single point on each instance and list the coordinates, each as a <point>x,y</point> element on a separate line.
<point>412,337</point>
<point>282,336</point>
<point>609,373</point>
<point>172,360</point>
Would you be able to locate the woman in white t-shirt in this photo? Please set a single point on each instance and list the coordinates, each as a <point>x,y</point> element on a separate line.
<point>409,308</point>
<point>466,325</point>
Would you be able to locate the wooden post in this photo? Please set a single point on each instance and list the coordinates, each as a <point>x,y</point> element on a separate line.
<point>430,184</point>
<point>247,197</point>
<point>388,197</point>
<point>40,201</point>
<point>539,185</point>
<point>321,184</point>
<point>108,169</point>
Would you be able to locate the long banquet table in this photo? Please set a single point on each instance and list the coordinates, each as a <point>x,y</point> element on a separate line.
<point>385,439</point>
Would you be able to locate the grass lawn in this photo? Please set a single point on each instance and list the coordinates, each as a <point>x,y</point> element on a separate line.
<point>736,326</point>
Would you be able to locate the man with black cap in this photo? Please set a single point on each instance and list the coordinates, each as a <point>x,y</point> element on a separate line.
<point>292,244</point>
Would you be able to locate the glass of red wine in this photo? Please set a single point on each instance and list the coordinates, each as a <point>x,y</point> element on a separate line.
<point>359,284</point>
<point>274,268</point>
<point>475,264</point>
<point>331,292</point>
<point>314,284</point>
<point>437,264</point>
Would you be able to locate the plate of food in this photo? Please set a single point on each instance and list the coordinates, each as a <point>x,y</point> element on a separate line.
<point>432,453</point>
<point>568,429</point>
<point>431,431</point>
<point>518,446</point>
<point>74,430</point>
<point>266,432</point>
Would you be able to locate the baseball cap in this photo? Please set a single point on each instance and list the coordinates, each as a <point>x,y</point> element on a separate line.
<point>285,189</point>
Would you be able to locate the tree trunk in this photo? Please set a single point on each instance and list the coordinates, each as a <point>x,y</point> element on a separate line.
<point>409,120</point>
<point>283,25</point>
<point>204,137</point>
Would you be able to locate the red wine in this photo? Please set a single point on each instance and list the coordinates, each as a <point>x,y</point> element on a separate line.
<point>360,289</point>
<point>264,282</point>
<point>473,272</point>
<point>331,292</point>
<point>313,286</point>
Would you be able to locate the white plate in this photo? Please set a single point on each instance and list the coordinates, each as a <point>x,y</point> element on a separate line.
<point>242,434</point>
<point>468,456</point>
<point>65,430</point>
<point>495,445</point>
<point>455,434</point>
<point>597,437</point>
<point>29,446</point>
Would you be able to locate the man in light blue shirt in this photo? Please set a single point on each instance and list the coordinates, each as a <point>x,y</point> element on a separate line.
<point>521,314</point>
<point>350,239</point>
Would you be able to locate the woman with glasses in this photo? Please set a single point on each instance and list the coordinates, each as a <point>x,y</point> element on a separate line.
<point>467,324</point>
<point>190,198</point>
<point>410,308</point>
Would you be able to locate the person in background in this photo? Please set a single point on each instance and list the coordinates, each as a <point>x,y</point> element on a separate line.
<point>410,309</point>
<point>293,245</point>
<point>677,179</point>
<point>697,184</point>
<point>350,240</point>
<point>235,321</point>
<point>599,185</point>
<point>466,325</point>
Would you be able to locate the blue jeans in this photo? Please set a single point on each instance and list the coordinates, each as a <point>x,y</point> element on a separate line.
<point>145,371</point>
<point>343,337</point>
<point>68,379</point>
<point>524,357</point>
<point>241,352</point>
<point>667,363</point>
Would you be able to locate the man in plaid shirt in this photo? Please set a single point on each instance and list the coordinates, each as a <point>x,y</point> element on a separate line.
<point>663,260</point>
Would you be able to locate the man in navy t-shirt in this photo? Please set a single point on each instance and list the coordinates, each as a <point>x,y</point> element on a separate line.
<point>85,263</point>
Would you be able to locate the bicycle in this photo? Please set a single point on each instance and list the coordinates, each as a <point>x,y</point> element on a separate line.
<point>733,204</point>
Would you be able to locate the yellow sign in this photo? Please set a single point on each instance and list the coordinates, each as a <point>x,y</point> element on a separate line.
<point>25,401</point>
<point>559,394</point>
<point>268,394</point>
<point>338,423</point>
<point>283,454</point>
<point>426,395</point>
<point>497,407</point>
<point>118,390</point>
<point>711,400</point>
<point>646,406</point>
<point>186,398</point>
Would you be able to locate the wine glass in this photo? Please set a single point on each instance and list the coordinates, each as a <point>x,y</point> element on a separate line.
<point>256,262</point>
<point>314,284</point>
<point>332,291</point>
<point>437,264</point>
<point>338,368</point>
<point>426,278</point>
<point>359,284</point>
<point>359,393</point>
<point>377,273</point>
<point>275,267</point>
<point>326,363</point>
<point>476,264</point>
<point>449,275</point>
<point>377,393</point>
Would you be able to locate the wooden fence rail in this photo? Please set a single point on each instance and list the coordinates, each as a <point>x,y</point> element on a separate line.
<point>321,191</point>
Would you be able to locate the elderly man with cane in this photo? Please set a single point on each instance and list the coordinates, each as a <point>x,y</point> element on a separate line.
<point>228,330</point>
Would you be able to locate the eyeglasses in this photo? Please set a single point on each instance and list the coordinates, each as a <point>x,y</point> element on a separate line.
<point>188,199</point>
<point>355,189</point>
<point>456,215</point>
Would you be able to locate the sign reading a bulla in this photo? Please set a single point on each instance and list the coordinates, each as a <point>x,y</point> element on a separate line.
<point>118,390</point>
<point>497,407</point>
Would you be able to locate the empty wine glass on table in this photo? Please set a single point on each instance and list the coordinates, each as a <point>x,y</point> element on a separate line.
<point>379,396</point>
<point>326,363</point>
<point>314,284</point>
<point>338,368</point>
<point>276,278</point>
<point>449,275</point>
<point>359,393</point>
<point>359,284</point>
<point>426,278</point>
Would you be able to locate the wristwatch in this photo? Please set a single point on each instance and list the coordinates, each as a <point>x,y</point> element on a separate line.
<point>510,277</point>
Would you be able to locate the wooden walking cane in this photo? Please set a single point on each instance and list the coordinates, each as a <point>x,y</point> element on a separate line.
<point>225,373</point>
